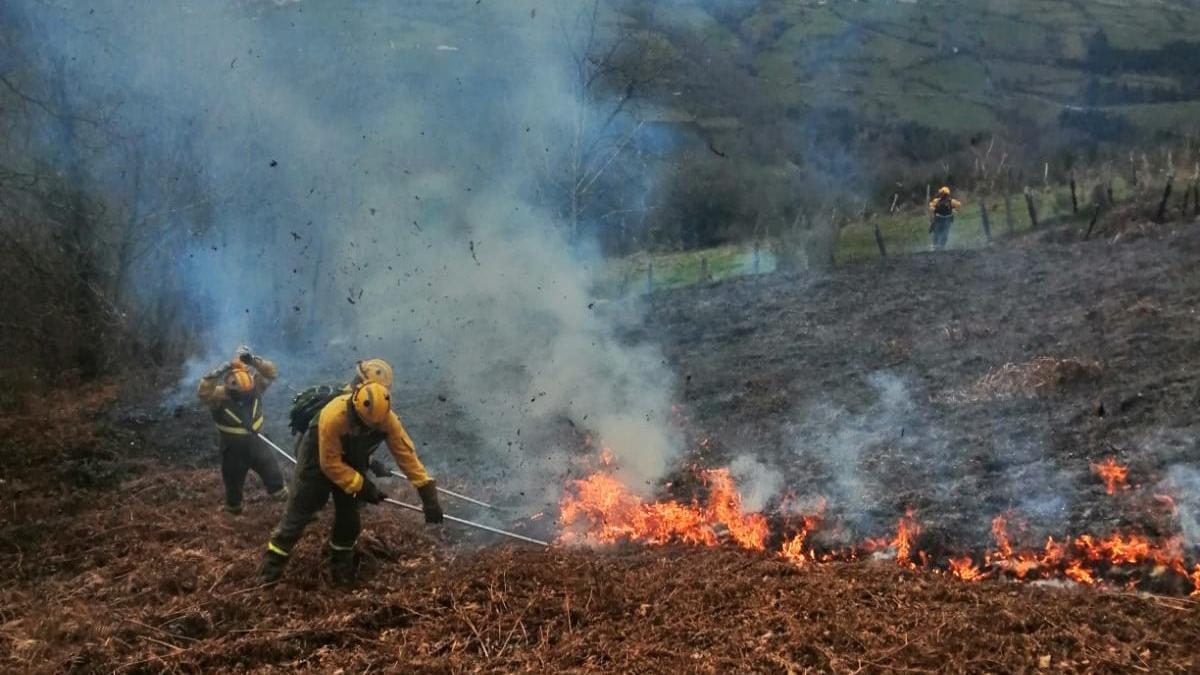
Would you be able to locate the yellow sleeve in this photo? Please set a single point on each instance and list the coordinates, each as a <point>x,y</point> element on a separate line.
<point>211,392</point>
<point>332,425</point>
<point>405,453</point>
<point>265,373</point>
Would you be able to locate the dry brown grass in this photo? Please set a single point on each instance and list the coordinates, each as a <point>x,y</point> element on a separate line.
<point>1039,377</point>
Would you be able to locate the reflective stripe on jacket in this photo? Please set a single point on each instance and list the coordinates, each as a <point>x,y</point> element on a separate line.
<point>229,422</point>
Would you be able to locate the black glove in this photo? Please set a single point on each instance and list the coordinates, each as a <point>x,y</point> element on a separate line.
<point>379,469</point>
<point>246,358</point>
<point>369,493</point>
<point>429,500</point>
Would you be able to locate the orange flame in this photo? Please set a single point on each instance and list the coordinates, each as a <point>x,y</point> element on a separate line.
<point>606,512</point>
<point>1112,474</point>
<point>599,509</point>
<point>793,549</point>
<point>906,531</point>
<point>1077,573</point>
<point>964,568</point>
<point>1000,534</point>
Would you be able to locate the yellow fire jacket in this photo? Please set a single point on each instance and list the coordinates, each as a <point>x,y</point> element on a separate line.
<point>241,417</point>
<point>954,204</point>
<point>343,440</point>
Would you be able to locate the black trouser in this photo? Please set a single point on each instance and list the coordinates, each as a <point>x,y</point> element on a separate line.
<point>308,495</point>
<point>240,454</point>
<point>941,230</point>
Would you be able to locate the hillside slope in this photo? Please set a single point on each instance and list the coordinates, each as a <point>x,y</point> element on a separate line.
<point>906,62</point>
<point>120,560</point>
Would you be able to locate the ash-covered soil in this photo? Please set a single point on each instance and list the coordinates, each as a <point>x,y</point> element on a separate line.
<point>862,387</point>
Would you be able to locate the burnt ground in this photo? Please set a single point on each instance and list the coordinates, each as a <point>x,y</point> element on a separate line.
<point>850,386</point>
<point>846,384</point>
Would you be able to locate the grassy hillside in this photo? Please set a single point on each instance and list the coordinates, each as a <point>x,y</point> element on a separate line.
<point>907,61</point>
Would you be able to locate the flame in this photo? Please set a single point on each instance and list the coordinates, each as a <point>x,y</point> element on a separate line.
<point>964,568</point>
<point>1112,474</point>
<point>599,509</point>
<point>1000,534</point>
<point>793,549</point>
<point>607,512</point>
<point>725,502</point>
<point>1077,573</point>
<point>906,531</point>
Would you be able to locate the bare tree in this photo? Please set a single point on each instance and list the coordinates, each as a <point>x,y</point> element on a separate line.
<point>615,59</point>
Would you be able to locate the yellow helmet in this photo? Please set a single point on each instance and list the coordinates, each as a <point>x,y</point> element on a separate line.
<point>944,192</point>
<point>374,370</point>
<point>238,379</point>
<point>372,404</point>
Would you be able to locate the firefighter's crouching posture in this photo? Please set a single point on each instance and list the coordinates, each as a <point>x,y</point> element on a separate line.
<point>334,455</point>
<point>233,395</point>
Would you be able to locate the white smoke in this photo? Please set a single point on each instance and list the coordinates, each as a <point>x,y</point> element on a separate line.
<point>1183,483</point>
<point>757,482</point>
<point>369,185</point>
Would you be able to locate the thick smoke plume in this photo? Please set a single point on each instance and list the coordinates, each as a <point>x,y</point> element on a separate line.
<point>373,182</point>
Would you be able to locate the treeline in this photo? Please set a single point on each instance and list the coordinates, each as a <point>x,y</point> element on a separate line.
<point>77,223</point>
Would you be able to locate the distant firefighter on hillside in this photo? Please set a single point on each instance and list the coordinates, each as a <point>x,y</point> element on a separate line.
<point>942,209</point>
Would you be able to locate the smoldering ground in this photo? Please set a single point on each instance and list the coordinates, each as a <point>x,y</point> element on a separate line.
<point>369,180</point>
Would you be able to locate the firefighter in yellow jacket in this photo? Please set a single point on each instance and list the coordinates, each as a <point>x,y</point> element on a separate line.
<point>233,394</point>
<point>942,210</point>
<point>335,453</point>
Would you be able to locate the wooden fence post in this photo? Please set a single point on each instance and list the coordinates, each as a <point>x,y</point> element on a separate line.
<point>1033,218</point>
<point>705,275</point>
<point>878,233</point>
<point>987,226</point>
<point>1095,217</point>
<point>1195,192</point>
<point>1162,205</point>
<point>756,265</point>
<point>1074,200</point>
<point>879,241</point>
<point>1008,214</point>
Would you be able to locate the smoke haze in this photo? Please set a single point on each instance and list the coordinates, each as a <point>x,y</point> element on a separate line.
<point>370,178</point>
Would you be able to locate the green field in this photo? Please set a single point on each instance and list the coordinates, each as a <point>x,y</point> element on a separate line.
<point>904,233</point>
<point>980,55</point>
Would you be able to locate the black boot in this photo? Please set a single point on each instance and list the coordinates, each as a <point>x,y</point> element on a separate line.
<point>272,566</point>
<point>342,567</point>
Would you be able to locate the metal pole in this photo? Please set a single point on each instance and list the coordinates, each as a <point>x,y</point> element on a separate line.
<point>469,523</point>
<point>277,448</point>
<point>400,474</point>
<point>397,474</point>
<point>414,507</point>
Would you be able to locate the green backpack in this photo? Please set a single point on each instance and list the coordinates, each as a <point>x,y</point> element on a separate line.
<point>308,403</point>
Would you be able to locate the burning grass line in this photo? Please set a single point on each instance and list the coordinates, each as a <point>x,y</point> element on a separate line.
<point>599,510</point>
